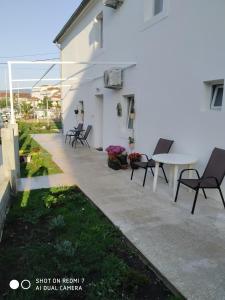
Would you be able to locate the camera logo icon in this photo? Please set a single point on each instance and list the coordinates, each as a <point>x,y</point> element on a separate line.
<point>25,284</point>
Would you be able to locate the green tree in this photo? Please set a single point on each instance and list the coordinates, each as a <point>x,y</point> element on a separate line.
<point>43,103</point>
<point>3,102</point>
<point>26,109</point>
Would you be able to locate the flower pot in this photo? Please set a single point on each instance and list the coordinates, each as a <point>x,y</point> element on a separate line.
<point>132,164</point>
<point>123,159</point>
<point>114,164</point>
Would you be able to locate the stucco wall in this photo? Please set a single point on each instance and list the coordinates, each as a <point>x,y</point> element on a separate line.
<point>174,56</point>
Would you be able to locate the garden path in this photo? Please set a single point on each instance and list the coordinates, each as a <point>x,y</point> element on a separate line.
<point>187,250</point>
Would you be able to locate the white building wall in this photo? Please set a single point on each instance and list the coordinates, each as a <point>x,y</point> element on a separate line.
<point>175,53</point>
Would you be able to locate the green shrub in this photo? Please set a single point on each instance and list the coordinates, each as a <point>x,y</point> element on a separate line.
<point>57,222</point>
<point>65,248</point>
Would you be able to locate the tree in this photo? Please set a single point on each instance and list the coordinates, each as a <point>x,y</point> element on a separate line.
<point>43,103</point>
<point>26,109</point>
<point>3,102</point>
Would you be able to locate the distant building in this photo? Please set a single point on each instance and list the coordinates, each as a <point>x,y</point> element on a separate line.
<point>52,92</point>
<point>19,96</point>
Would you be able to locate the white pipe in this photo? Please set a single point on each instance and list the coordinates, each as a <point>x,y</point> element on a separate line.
<point>38,87</point>
<point>44,79</point>
<point>6,90</point>
<point>12,115</point>
<point>49,62</point>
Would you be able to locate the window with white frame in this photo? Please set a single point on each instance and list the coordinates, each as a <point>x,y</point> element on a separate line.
<point>130,111</point>
<point>99,30</point>
<point>217,96</point>
<point>153,8</point>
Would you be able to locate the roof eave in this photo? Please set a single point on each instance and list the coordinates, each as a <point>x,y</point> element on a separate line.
<point>74,16</point>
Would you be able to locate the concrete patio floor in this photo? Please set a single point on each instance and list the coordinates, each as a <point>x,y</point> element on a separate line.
<point>188,250</point>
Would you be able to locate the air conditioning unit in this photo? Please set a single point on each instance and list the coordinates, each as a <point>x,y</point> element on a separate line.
<point>113,3</point>
<point>113,78</point>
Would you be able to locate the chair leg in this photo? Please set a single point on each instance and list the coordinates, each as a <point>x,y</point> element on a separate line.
<point>178,187</point>
<point>146,170</point>
<point>164,173</point>
<point>195,200</point>
<point>204,193</point>
<point>74,142</point>
<point>82,143</point>
<point>221,194</point>
<point>132,173</point>
<point>152,172</point>
<point>87,144</point>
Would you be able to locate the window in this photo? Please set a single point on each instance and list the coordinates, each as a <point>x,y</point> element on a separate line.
<point>217,97</point>
<point>99,30</point>
<point>158,6</point>
<point>130,112</point>
<point>155,9</point>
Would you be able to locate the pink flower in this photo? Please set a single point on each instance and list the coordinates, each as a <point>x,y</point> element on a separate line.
<point>114,150</point>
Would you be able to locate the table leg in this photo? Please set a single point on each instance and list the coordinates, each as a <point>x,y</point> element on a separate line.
<point>175,180</point>
<point>171,174</point>
<point>156,176</point>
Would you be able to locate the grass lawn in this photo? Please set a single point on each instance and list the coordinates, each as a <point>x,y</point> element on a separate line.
<point>58,233</point>
<point>41,161</point>
<point>34,126</point>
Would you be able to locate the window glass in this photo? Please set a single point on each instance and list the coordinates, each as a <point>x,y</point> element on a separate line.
<point>99,30</point>
<point>130,113</point>
<point>217,97</point>
<point>158,6</point>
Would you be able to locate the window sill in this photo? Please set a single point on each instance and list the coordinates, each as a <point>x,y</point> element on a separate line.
<point>154,20</point>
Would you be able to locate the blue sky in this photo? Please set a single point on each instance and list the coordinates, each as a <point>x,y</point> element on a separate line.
<point>28,27</point>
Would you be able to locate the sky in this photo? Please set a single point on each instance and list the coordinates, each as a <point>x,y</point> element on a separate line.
<point>27,31</point>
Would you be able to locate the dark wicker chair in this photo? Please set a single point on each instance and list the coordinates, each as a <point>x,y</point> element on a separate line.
<point>74,132</point>
<point>211,178</point>
<point>163,146</point>
<point>83,138</point>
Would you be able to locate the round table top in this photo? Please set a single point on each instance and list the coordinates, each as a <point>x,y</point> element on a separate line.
<point>174,158</point>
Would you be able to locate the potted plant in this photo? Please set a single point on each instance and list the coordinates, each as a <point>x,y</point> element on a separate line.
<point>134,157</point>
<point>117,157</point>
<point>114,163</point>
<point>123,160</point>
<point>131,142</point>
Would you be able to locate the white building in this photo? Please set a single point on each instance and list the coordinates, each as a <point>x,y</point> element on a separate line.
<point>177,83</point>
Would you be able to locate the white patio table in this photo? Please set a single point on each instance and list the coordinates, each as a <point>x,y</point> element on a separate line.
<point>175,160</point>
